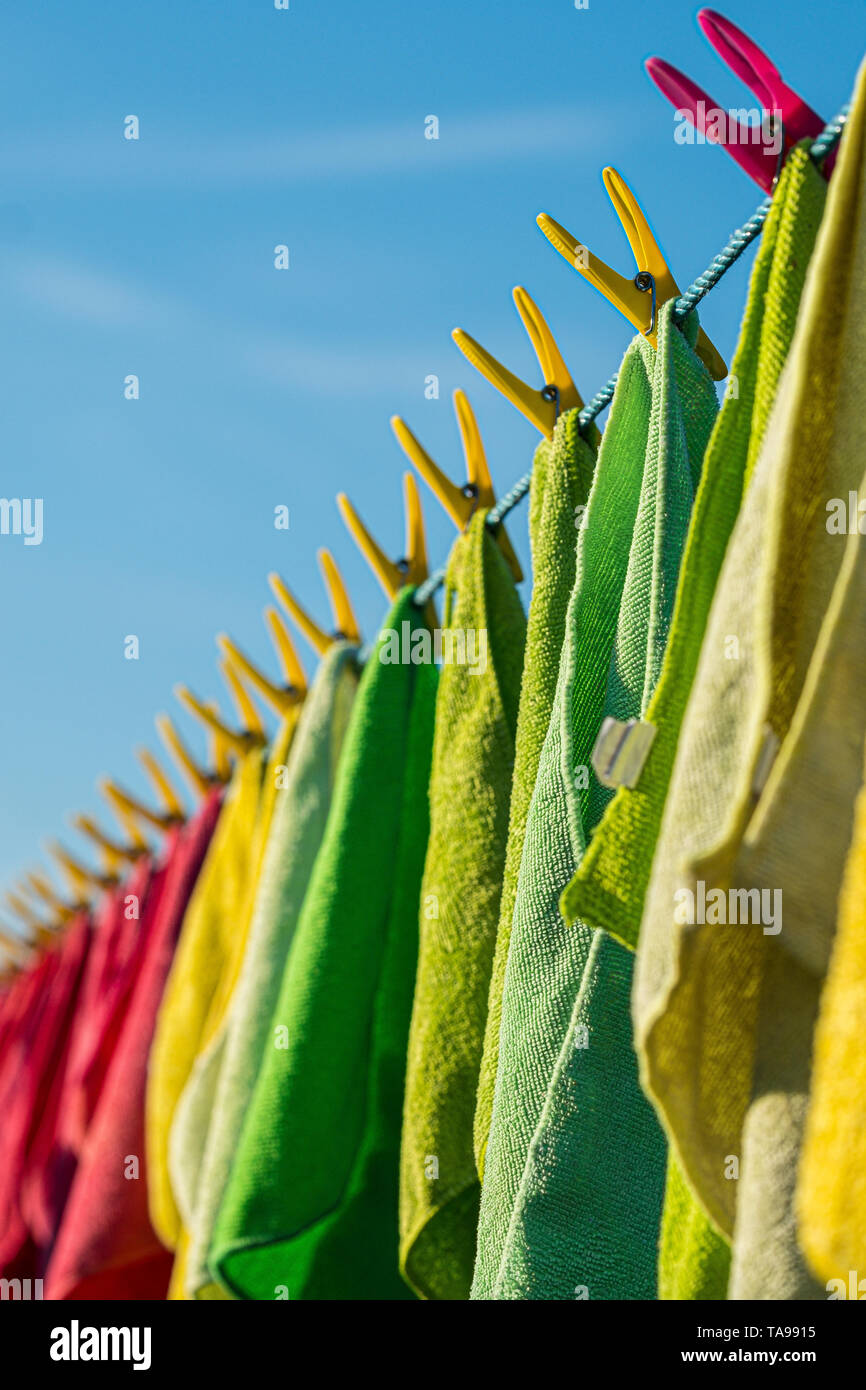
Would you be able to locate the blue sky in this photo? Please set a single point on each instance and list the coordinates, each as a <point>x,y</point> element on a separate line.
<point>260,387</point>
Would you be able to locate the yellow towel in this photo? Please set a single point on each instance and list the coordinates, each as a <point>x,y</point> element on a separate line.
<point>724,1005</point>
<point>191,1120</point>
<point>206,940</point>
<point>832,1188</point>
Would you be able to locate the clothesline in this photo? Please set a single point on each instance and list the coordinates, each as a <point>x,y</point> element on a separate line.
<point>720,264</point>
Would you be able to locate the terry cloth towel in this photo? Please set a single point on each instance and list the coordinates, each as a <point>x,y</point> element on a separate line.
<point>724,1013</point>
<point>207,942</point>
<point>561,478</point>
<point>44,1043</point>
<point>29,996</point>
<point>831,1194</point>
<point>574,1173</point>
<point>310,1208</point>
<point>108,974</point>
<point>470,788</point>
<point>192,1116</point>
<point>107,1248</point>
<point>296,831</point>
<point>610,885</point>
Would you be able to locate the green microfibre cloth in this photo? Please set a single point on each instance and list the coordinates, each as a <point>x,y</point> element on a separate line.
<point>574,1173</point>
<point>470,790</point>
<point>561,478</point>
<point>302,801</point>
<point>610,885</point>
<point>310,1210</point>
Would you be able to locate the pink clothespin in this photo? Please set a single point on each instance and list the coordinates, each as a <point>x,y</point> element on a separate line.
<point>760,156</point>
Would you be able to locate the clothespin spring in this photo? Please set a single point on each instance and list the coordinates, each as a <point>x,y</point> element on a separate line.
<point>551,393</point>
<point>644,281</point>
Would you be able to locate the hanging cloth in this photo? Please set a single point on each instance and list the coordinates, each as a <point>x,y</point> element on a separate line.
<point>561,477</point>
<point>724,1012</point>
<point>106,1247</point>
<point>297,826</point>
<point>192,1116</point>
<point>470,787</point>
<point>832,1184</point>
<point>207,941</point>
<point>610,885</point>
<point>108,975</point>
<point>310,1209</point>
<point>43,1044</point>
<point>575,1163</point>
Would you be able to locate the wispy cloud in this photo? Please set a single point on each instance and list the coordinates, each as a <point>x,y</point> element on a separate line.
<point>82,294</point>
<point>202,159</point>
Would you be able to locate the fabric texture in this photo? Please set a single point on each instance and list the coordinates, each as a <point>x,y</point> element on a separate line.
<point>561,477</point>
<point>32,1069</point>
<point>610,886</point>
<point>296,830</point>
<point>106,1247</point>
<point>193,990</point>
<point>470,785</point>
<point>574,1172</point>
<point>310,1208</point>
<point>724,1011</point>
<point>832,1183</point>
<point>192,1118</point>
<point>108,974</point>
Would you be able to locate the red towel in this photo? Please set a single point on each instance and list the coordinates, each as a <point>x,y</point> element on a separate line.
<point>30,1065</point>
<point>106,1247</point>
<point>112,963</point>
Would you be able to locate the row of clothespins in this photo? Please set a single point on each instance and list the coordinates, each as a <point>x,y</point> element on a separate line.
<point>36,904</point>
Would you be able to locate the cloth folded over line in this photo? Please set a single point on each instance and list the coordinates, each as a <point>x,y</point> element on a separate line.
<point>561,477</point>
<point>575,1162</point>
<point>726,985</point>
<point>310,1208</point>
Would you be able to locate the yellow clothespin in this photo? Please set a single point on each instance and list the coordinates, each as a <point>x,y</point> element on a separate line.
<point>221,752</point>
<point>393,575</point>
<point>22,909</point>
<point>200,780</point>
<point>459,502</point>
<point>251,735</point>
<point>19,949</point>
<point>281,698</point>
<point>43,889</point>
<point>129,809</point>
<point>172,805</point>
<point>640,298</point>
<point>81,879</point>
<point>114,852</point>
<point>345,622</point>
<point>542,406</point>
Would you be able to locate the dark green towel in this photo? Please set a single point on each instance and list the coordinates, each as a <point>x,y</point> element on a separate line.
<point>314,1186</point>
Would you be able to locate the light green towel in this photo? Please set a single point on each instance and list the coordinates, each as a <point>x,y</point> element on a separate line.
<point>310,1208</point>
<point>575,1162</point>
<point>303,797</point>
<point>561,477</point>
<point>724,1013</point>
<point>191,1122</point>
<point>610,885</point>
<point>195,984</point>
<point>470,786</point>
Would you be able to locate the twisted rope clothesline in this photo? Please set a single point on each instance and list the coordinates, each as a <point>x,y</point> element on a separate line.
<point>737,243</point>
